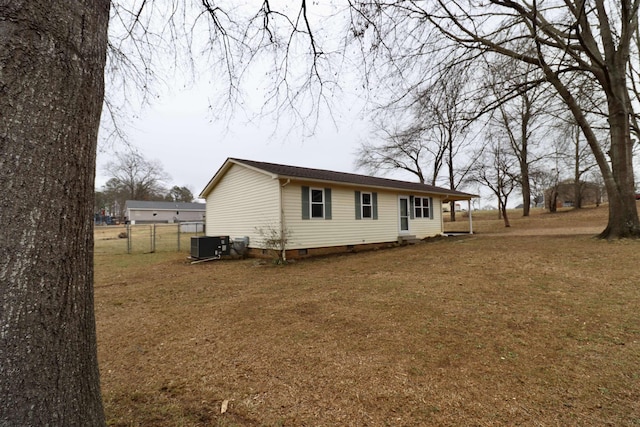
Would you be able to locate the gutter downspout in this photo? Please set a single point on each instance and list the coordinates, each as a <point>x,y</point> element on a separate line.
<point>282,222</point>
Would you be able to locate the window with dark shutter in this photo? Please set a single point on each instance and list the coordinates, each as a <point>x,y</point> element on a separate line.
<point>367,206</point>
<point>374,200</point>
<point>327,203</point>
<point>317,203</point>
<point>305,202</point>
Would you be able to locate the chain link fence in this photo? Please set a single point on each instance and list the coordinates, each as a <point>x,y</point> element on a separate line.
<point>146,238</point>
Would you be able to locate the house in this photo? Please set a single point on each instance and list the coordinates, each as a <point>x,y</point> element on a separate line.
<point>148,212</point>
<point>318,211</point>
<point>568,194</point>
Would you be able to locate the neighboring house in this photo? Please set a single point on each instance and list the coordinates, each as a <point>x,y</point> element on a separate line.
<point>568,194</point>
<point>319,211</point>
<point>145,212</point>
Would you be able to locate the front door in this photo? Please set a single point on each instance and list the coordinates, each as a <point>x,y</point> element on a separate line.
<point>403,210</point>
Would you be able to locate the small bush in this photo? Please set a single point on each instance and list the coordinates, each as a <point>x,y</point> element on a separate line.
<point>275,241</point>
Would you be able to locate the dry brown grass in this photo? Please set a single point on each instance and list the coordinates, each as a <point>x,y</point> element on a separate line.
<point>506,327</point>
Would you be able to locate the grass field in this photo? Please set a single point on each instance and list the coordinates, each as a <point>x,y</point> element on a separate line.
<point>122,239</point>
<point>535,325</point>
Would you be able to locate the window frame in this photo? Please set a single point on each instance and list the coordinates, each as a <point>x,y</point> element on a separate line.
<point>422,207</point>
<point>369,205</point>
<point>417,207</point>
<point>312,203</point>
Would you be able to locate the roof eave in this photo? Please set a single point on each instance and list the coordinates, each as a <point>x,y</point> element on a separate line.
<point>450,196</point>
<point>223,170</point>
<point>454,196</point>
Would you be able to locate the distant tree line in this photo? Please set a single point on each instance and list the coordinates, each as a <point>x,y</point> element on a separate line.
<point>132,177</point>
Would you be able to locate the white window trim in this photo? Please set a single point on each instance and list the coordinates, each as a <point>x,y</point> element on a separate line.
<point>408,230</point>
<point>311,203</point>
<point>362,205</point>
<point>421,207</point>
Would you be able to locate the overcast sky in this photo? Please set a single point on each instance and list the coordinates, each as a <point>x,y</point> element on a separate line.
<point>180,132</point>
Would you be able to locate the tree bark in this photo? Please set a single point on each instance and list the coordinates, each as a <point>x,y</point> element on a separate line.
<point>505,217</point>
<point>526,189</point>
<point>523,160</point>
<point>52,58</point>
<point>619,180</point>
<point>618,177</point>
<point>623,214</point>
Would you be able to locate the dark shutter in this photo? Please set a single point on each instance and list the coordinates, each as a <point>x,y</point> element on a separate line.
<point>305,202</point>
<point>374,202</point>
<point>327,203</point>
<point>411,207</point>
<point>430,207</point>
<point>358,207</point>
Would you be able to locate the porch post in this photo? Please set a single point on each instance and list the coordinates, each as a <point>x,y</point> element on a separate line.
<point>470,217</point>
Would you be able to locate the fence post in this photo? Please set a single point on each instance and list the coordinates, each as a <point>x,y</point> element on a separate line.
<point>178,237</point>
<point>152,232</point>
<point>128,238</point>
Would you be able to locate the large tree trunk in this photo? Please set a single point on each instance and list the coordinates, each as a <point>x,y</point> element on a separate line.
<point>620,181</point>
<point>623,213</point>
<point>52,57</point>
<point>526,190</point>
<point>618,175</point>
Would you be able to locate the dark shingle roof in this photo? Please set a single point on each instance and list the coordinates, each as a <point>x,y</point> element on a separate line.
<point>144,204</point>
<point>285,171</point>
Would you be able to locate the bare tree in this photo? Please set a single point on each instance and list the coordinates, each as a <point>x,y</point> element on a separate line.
<point>539,185</point>
<point>496,169</point>
<point>581,161</point>
<point>48,134</point>
<point>433,138</point>
<point>551,181</point>
<point>568,42</point>
<point>452,113</point>
<point>401,150</point>
<point>523,118</point>
<point>137,178</point>
<point>114,198</point>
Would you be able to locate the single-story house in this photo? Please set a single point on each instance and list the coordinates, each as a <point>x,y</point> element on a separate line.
<point>568,194</point>
<point>316,211</point>
<point>148,212</point>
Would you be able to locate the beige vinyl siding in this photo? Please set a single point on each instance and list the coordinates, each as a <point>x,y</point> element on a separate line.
<point>343,228</point>
<point>243,201</point>
<point>426,227</point>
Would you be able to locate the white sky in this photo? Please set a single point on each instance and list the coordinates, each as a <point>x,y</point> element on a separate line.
<point>178,131</point>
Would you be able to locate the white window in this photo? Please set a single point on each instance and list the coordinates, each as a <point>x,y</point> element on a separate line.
<point>317,203</point>
<point>366,205</point>
<point>422,207</point>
